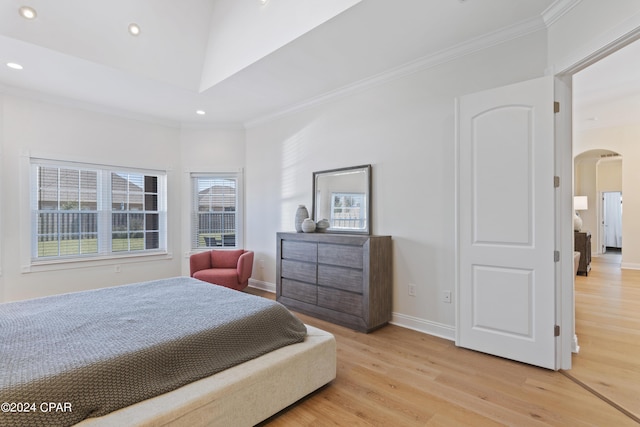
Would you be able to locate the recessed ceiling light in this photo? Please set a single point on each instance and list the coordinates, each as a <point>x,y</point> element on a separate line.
<point>263,2</point>
<point>201,112</point>
<point>14,65</point>
<point>134,29</point>
<point>27,12</point>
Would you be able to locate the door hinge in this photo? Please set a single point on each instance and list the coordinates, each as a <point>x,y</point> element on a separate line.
<point>556,181</point>
<point>556,256</point>
<point>556,331</point>
<point>556,107</point>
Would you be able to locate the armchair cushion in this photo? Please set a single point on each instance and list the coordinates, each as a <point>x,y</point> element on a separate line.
<point>225,259</point>
<point>227,277</point>
<point>199,261</point>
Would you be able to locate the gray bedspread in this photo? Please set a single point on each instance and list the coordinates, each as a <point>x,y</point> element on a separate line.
<point>69,357</point>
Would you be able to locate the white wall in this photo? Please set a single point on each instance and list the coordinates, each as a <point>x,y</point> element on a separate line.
<point>609,174</point>
<point>405,129</point>
<point>206,150</point>
<point>33,128</point>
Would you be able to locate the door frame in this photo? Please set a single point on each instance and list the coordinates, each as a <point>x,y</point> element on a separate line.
<point>565,309</point>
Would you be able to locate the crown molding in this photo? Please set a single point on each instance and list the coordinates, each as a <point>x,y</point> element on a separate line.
<point>460,50</point>
<point>557,10</point>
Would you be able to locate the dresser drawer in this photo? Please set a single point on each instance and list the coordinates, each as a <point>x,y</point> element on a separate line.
<point>300,291</point>
<point>342,255</point>
<point>301,251</point>
<point>297,270</point>
<point>347,279</point>
<point>335,299</point>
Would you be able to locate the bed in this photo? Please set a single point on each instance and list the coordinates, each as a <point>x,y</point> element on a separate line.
<point>124,356</point>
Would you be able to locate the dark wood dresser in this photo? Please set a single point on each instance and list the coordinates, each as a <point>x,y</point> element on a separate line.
<point>582,244</point>
<point>342,278</point>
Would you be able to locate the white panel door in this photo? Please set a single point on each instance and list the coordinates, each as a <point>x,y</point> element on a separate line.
<point>506,277</point>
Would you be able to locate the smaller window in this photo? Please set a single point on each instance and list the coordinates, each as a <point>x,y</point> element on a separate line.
<point>216,211</point>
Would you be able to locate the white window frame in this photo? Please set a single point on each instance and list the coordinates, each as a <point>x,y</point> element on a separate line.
<point>197,241</point>
<point>104,213</point>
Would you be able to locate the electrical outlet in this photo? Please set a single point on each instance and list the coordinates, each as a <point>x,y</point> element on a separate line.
<point>117,268</point>
<point>412,290</point>
<point>446,296</point>
<point>261,264</point>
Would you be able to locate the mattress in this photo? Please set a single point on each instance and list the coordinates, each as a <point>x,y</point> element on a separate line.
<point>70,357</point>
<point>241,396</point>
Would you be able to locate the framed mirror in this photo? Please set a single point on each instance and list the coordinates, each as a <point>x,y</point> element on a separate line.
<point>343,198</point>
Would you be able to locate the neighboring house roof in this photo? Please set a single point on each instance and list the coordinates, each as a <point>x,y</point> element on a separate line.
<point>63,184</point>
<point>217,197</point>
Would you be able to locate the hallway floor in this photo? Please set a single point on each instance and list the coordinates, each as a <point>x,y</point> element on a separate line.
<point>608,329</point>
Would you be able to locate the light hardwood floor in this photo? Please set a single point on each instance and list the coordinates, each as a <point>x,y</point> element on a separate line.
<point>399,377</point>
<point>608,329</point>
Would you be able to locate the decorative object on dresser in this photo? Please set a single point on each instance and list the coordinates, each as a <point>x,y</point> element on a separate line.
<point>308,226</point>
<point>580,203</point>
<point>322,225</point>
<point>343,196</point>
<point>582,244</point>
<point>301,214</point>
<point>342,278</point>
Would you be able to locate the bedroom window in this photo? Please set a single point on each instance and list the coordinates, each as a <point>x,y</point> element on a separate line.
<point>216,217</point>
<point>84,211</point>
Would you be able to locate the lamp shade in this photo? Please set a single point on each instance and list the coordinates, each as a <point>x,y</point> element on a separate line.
<point>580,203</point>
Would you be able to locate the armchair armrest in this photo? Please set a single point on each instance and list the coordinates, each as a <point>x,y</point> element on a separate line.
<point>245,266</point>
<point>199,261</point>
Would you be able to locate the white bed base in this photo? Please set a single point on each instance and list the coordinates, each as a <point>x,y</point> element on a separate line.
<point>240,396</point>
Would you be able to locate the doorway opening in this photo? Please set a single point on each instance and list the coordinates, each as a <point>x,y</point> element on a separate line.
<point>606,107</point>
<point>611,229</point>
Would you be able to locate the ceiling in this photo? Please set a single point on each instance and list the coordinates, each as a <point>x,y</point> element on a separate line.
<point>83,54</point>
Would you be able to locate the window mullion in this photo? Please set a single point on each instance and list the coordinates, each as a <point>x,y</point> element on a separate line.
<point>104,211</point>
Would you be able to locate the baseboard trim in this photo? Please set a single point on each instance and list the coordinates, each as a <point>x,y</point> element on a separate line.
<point>263,286</point>
<point>420,325</point>
<point>630,266</point>
<point>425,326</point>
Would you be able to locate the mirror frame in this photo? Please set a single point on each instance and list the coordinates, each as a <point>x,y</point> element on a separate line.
<point>314,208</point>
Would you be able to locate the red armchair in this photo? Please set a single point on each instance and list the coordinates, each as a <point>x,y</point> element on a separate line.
<point>231,269</point>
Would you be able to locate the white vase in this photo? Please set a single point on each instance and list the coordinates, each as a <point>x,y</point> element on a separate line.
<point>577,222</point>
<point>301,214</point>
<point>308,226</point>
<point>322,225</point>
